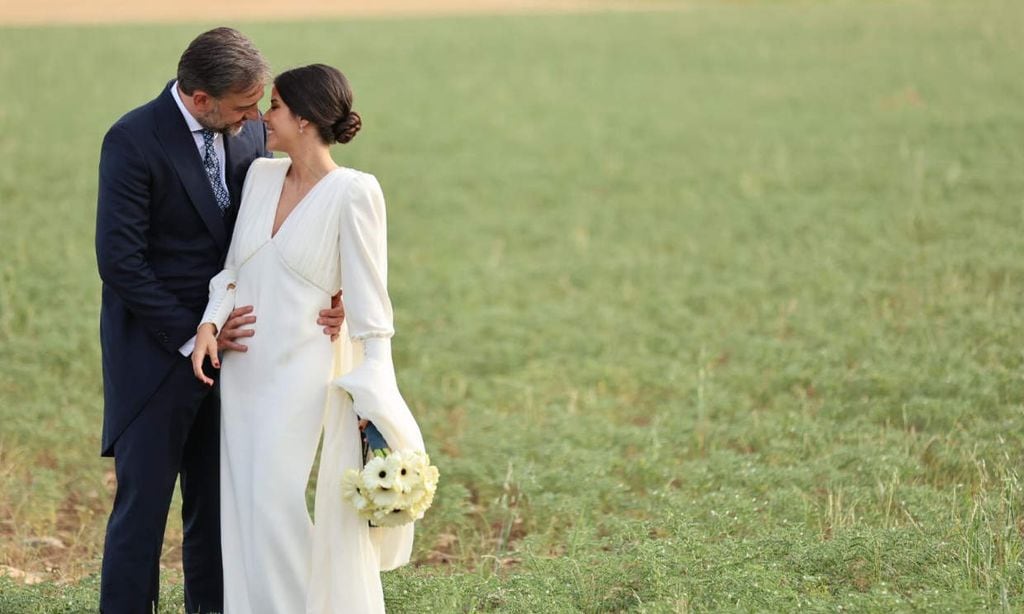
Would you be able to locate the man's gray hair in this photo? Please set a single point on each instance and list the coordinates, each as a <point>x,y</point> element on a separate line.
<point>221,61</point>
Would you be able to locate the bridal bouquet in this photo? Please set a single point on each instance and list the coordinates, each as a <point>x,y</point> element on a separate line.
<point>393,488</point>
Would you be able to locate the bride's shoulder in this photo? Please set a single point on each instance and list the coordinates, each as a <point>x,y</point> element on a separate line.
<point>262,173</point>
<point>360,183</point>
<point>261,166</point>
<point>359,197</point>
<point>262,170</point>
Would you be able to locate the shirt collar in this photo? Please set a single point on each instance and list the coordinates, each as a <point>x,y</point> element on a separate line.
<point>193,123</point>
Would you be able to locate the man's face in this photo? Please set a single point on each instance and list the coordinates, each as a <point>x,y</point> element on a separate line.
<point>228,113</point>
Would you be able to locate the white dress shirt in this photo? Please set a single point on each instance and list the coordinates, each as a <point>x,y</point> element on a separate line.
<point>197,135</point>
<point>218,148</point>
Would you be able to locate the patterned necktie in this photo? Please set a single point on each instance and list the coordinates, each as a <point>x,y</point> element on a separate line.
<point>212,166</point>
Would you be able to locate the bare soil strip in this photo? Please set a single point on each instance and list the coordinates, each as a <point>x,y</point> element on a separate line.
<point>60,12</point>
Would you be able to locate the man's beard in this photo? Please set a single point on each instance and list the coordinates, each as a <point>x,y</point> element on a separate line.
<point>213,121</point>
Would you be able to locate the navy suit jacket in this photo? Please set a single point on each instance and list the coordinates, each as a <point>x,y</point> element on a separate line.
<point>160,237</point>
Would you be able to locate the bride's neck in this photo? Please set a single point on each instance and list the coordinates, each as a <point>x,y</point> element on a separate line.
<point>311,163</point>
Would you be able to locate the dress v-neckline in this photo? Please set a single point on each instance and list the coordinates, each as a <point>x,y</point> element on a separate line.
<point>302,201</point>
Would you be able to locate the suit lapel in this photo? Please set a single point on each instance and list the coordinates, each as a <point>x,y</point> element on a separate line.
<point>230,173</point>
<point>238,155</point>
<point>178,143</point>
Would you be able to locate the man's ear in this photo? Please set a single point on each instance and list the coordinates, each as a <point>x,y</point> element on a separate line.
<point>202,100</point>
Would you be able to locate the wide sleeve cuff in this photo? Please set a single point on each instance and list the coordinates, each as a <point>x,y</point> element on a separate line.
<point>375,395</point>
<point>372,384</point>
<point>222,299</point>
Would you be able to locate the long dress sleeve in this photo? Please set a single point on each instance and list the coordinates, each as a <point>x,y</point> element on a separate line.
<point>222,299</point>
<point>369,317</point>
<point>363,385</point>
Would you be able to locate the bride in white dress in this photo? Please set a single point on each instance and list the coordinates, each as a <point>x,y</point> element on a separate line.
<point>306,229</point>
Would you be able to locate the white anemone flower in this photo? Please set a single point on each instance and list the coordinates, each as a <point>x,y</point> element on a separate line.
<point>407,478</point>
<point>392,518</point>
<point>395,464</point>
<point>377,474</point>
<point>385,498</point>
<point>353,490</point>
<point>430,476</point>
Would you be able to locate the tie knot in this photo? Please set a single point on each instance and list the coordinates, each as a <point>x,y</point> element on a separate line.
<point>207,135</point>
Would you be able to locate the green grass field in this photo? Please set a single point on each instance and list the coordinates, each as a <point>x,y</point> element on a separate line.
<point>717,309</point>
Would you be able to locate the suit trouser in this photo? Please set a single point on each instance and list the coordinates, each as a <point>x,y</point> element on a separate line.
<point>177,433</point>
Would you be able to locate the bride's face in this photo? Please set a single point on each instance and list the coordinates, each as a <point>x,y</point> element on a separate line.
<point>282,125</point>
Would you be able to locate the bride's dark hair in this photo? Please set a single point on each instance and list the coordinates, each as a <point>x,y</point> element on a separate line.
<point>321,95</point>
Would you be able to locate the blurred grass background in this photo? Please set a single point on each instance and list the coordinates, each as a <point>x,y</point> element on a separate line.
<point>709,309</point>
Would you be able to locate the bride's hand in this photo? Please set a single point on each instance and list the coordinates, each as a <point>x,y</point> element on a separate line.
<point>332,318</point>
<point>206,345</point>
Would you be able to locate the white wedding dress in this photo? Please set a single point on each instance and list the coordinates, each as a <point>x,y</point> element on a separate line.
<point>293,384</point>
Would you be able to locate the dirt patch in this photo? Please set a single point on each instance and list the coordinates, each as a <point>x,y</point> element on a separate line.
<point>54,12</point>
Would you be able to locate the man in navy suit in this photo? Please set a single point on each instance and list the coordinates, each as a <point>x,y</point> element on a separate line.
<point>170,180</point>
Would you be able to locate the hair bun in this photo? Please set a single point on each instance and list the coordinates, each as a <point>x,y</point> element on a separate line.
<point>345,129</point>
